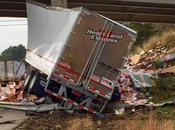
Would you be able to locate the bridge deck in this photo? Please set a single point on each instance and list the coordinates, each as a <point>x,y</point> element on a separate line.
<point>130,10</point>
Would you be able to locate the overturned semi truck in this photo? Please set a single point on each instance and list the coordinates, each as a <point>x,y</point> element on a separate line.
<point>74,55</point>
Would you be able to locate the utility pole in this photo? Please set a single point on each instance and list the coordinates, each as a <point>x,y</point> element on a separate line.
<point>60,3</point>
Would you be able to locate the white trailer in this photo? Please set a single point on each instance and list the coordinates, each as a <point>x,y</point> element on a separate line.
<point>8,70</point>
<point>76,55</point>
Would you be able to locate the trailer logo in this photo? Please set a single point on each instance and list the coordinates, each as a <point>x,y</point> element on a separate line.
<point>107,37</point>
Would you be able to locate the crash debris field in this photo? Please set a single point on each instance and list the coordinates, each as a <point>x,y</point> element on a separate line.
<point>86,78</point>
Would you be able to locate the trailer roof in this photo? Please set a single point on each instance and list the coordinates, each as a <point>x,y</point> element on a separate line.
<point>129,29</point>
<point>79,9</point>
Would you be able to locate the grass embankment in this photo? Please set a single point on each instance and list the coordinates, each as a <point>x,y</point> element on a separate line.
<point>134,121</point>
<point>150,123</point>
<point>164,90</point>
<point>166,39</point>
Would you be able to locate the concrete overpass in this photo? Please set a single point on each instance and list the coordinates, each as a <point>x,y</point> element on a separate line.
<point>159,11</point>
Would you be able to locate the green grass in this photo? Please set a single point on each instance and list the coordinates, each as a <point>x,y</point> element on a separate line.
<point>164,89</point>
<point>167,112</point>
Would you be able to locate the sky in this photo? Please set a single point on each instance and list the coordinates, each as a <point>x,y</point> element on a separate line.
<point>13,31</point>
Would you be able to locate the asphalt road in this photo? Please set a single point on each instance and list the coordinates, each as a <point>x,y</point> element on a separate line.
<point>9,119</point>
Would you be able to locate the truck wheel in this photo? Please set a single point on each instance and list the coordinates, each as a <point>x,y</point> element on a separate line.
<point>28,80</point>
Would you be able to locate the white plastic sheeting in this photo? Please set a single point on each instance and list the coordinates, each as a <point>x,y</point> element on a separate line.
<point>48,31</point>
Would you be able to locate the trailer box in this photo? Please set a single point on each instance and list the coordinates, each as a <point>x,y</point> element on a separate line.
<point>8,70</point>
<point>78,49</point>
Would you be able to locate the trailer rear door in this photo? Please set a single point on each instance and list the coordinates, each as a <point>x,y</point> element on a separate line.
<point>116,46</point>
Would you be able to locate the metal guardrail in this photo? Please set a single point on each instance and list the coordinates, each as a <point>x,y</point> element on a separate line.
<point>31,107</point>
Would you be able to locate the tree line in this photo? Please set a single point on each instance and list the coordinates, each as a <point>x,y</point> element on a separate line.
<point>16,53</point>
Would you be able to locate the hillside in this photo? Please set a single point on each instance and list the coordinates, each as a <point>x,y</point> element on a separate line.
<point>166,39</point>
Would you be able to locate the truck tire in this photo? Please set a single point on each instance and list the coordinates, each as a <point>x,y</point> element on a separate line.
<point>27,81</point>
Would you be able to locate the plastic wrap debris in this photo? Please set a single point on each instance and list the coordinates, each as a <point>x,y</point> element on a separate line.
<point>141,79</point>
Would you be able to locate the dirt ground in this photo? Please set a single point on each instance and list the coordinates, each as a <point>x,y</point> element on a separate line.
<point>140,120</point>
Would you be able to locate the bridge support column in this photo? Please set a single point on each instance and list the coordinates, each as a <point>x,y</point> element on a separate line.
<point>60,3</point>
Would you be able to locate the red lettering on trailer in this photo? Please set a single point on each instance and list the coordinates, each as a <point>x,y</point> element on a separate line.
<point>105,34</point>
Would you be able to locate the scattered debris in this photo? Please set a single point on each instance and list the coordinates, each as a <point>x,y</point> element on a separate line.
<point>59,83</point>
<point>130,87</point>
<point>136,78</point>
<point>119,111</point>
